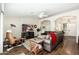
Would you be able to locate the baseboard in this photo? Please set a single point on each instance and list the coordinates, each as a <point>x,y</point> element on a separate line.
<point>70,36</point>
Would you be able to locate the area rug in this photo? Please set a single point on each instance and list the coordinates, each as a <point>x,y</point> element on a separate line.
<point>21,50</point>
<point>21,54</point>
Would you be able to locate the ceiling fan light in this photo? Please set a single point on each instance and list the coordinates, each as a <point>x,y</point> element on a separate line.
<point>42,15</point>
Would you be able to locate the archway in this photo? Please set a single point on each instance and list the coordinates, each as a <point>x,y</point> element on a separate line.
<point>45,25</point>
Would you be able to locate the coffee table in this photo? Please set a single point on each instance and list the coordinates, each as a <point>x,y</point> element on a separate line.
<point>35,45</point>
<point>37,40</point>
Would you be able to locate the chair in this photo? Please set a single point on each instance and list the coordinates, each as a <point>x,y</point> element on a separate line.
<point>11,40</point>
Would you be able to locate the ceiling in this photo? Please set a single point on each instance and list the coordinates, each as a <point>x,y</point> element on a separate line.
<point>33,10</point>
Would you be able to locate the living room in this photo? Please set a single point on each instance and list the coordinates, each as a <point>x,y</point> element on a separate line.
<point>39,29</point>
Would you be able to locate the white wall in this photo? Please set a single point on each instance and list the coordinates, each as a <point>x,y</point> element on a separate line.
<point>0,27</point>
<point>1,33</point>
<point>52,23</point>
<point>70,13</point>
<point>18,21</point>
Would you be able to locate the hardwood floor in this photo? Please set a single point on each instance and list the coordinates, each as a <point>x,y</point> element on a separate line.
<point>68,47</point>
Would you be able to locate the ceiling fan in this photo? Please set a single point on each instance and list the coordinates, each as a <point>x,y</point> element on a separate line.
<point>42,15</point>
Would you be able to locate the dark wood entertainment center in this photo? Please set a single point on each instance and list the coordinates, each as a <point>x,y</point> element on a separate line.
<point>27,31</point>
<point>27,35</point>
